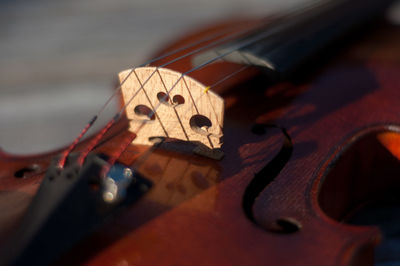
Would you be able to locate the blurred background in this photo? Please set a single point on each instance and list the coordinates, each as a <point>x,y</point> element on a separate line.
<point>58,59</point>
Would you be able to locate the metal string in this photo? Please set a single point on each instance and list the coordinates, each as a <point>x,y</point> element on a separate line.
<point>128,140</point>
<point>116,117</point>
<point>176,113</point>
<point>165,97</point>
<point>220,33</point>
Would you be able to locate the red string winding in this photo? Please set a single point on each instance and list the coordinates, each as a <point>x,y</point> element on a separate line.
<point>67,152</point>
<point>96,140</point>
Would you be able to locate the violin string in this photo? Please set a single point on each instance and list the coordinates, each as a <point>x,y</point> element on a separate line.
<point>128,140</point>
<point>237,47</point>
<point>240,45</point>
<point>71,147</point>
<point>116,117</point>
<point>109,125</point>
<point>220,41</point>
<point>175,51</point>
<point>205,92</point>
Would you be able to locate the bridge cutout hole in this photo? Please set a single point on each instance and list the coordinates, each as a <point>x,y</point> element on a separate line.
<point>163,97</point>
<point>178,99</point>
<point>200,124</point>
<point>143,110</point>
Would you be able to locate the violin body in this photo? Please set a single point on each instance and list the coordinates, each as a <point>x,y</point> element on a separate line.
<point>320,147</point>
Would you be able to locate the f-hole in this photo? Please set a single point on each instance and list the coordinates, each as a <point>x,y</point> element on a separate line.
<point>264,177</point>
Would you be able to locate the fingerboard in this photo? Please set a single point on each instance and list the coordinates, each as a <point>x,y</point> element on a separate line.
<point>284,45</point>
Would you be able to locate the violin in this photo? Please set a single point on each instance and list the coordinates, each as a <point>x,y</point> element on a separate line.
<point>262,141</point>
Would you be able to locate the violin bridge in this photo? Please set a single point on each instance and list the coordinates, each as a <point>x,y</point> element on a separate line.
<point>163,104</point>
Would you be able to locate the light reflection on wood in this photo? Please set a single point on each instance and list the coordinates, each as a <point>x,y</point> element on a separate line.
<point>177,179</point>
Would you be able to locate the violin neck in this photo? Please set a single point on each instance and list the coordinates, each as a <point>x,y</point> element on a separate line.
<point>283,46</point>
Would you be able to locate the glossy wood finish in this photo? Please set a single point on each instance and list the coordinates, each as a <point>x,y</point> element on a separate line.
<point>194,214</point>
